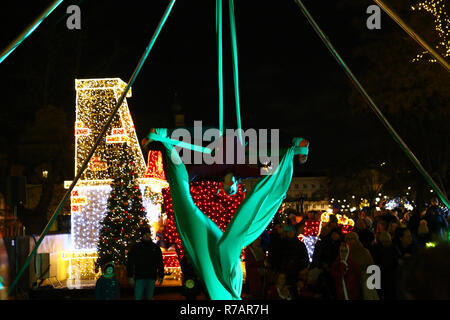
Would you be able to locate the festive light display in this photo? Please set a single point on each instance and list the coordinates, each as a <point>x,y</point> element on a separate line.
<point>81,264</point>
<point>121,228</point>
<point>211,199</point>
<point>442,25</point>
<point>345,223</point>
<point>95,99</point>
<point>172,267</point>
<point>155,166</point>
<point>310,236</point>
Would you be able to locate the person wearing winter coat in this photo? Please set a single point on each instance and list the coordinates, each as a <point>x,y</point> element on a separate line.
<point>107,287</point>
<point>145,266</point>
<point>255,269</point>
<point>346,274</point>
<point>363,259</point>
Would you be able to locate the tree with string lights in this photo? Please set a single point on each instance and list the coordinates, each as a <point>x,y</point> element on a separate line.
<point>125,217</point>
<point>441,20</point>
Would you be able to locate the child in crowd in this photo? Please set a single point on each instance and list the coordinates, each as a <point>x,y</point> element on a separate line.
<point>107,286</point>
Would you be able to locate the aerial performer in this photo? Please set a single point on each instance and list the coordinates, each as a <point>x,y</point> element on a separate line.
<point>215,254</point>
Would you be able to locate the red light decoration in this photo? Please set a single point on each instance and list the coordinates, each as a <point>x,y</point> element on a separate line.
<point>211,199</point>
<point>346,228</point>
<point>312,228</point>
<point>155,166</point>
<point>170,260</point>
<point>96,164</point>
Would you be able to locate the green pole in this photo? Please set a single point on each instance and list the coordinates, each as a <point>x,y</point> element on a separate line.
<point>373,106</point>
<point>220,60</point>
<point>28,31</point>
<point>235,67</point>
<point>413,34</point>
<point>97,142</point>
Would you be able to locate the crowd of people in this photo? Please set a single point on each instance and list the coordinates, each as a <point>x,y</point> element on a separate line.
<point>385,257</point>
<point>388,255</point>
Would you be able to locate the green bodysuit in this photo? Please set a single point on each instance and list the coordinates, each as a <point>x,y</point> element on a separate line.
<point>216,254</point>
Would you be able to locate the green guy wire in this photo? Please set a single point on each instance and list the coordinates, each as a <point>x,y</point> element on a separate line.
<point>372,104</point>
<point>97,142</point>
<point>28,31</point>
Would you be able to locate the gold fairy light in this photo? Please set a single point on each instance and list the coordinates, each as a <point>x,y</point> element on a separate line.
<point>95,98</point>
<point>436,8</point>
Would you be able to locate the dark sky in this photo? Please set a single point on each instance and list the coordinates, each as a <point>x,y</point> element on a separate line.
<point>288,79</point>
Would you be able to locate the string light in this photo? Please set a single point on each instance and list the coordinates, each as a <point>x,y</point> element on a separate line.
<point>211,199</point>
<point>441,24</point>
<point>95,98</point>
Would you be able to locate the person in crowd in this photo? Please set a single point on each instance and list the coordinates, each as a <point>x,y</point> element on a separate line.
<point>325,253</point>
<point>280,290</point>
<point>437,223</point>
<point>404,245</point>
<point>426,276</point>
<point>327,249</point>
<point>392,223</point>
<point>303,292</point>
<point>255,269</point>
<point>346,275</point>
<point>327,227</point>
<point>294,255</point>
<point>145,266</point>
<point>277,237</point>
<point>385,256</point>
<point>423,235</point>
<point>416,216</point>
<point>363,259</point>
<point>365,235</point>
<point>107,287</point>
<point>192,285</point>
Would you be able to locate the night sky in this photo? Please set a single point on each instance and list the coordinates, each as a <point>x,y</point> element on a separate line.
<point>288,79</point>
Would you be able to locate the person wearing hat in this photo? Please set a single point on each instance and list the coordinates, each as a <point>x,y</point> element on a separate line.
<point>145,266</point>
<point>107,287</point>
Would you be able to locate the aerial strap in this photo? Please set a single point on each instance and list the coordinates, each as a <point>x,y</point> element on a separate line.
<point>372,105</point>
<point>219,36</point>
<point>220,60</point>
<point>235,68</point>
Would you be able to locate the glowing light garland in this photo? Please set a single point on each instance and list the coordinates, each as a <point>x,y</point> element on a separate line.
<point>95,99</point>
<point>211,199</point>
<point>442,26</point>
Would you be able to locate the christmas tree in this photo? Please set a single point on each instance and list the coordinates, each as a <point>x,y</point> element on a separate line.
<point>125,216</point>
